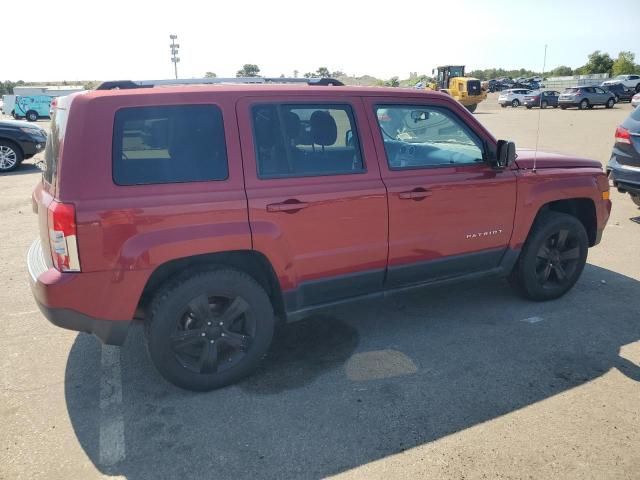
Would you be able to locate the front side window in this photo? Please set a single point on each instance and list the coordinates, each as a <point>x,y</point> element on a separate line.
<point>305,140</point>
<point>169,144</point>
<point>419,136</point>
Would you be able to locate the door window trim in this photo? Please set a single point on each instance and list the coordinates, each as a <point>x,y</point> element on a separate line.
<point>480,143</point>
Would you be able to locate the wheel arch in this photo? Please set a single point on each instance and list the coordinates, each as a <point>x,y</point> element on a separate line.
<point>584,209</point>
<point>13,142</point>
<point>252,262</point>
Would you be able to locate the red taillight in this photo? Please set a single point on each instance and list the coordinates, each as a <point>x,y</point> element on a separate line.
<point>62,236</point>
<point>622,135</point>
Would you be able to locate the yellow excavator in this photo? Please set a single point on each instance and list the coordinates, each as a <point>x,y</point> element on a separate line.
<point>451,80</point>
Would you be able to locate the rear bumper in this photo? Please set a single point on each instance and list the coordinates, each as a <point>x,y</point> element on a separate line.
<point>624,178</point>
<point>66,299</point>
<point>109,331</point>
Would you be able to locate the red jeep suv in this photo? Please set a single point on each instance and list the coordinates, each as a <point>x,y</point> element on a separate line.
<point>211,212</point>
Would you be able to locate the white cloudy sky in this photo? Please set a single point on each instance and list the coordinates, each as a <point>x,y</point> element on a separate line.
<point>80,40</point>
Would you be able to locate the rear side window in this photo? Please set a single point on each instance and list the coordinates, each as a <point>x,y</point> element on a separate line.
<point>169,144</point>
<point>305,140</point>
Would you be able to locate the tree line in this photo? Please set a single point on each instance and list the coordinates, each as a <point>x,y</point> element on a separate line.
<point>597,62</point>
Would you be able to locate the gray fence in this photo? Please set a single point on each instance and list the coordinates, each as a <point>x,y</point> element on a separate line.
<point>575,80</point>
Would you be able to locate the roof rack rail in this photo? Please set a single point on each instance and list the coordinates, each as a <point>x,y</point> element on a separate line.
<point>128,84</point>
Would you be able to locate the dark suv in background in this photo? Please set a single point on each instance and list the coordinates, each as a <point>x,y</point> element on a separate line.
<point>622,93</point>
<point>19,141</point>
<point>624,165</point>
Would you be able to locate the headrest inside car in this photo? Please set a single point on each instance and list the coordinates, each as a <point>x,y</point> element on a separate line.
<point>323,128</point>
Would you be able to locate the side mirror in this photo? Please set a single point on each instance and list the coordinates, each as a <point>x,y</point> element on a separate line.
<point>506,154</point>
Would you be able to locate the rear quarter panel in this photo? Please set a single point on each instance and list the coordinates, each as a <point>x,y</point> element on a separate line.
<point>138,228</point>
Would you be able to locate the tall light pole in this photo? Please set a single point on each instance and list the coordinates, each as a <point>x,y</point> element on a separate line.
<point>174,53</point>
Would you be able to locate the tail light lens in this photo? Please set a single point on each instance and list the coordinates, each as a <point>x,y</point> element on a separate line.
<point>622,135</point>
<point>62,237</point>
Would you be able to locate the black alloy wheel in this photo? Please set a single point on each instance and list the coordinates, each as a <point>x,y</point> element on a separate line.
<point>557,259</point>
<point>213,334</point>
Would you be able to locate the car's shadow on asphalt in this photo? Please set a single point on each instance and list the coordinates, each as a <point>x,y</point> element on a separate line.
<point>360,383</point>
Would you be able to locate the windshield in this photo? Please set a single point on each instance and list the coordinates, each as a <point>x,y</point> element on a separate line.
<point>456,71</point>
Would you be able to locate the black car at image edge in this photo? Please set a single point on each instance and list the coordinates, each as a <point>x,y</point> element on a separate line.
<point>624,165</point>
<point>19,141</point>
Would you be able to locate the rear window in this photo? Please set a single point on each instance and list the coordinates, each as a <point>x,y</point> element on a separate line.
<point>54,142</point>
<point>169,144</point>
<point>571,90</point>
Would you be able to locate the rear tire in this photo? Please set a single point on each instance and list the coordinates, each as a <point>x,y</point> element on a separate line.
<point>32,116</point>
<point>209,329</point>
<point>515,103</point>
<point>584,104</point>
<point>503,105</point>
<point>529,107</point>
<point>472,108</point>
<point>563,107</point>
<point>10,156</point>
<point>610,103</point>
<point>553,257</point>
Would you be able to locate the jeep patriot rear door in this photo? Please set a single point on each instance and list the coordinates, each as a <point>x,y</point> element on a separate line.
<point>450,213</point>
<point>317,204</point>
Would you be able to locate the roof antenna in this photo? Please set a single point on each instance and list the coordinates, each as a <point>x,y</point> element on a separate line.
<point>535,152</point>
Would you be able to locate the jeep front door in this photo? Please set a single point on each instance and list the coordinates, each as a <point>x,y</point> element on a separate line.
<point>450,213</point>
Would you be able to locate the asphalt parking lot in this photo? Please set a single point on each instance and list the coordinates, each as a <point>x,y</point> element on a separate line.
<point>461,381</point>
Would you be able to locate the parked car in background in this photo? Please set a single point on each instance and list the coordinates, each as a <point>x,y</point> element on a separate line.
<point>19,141</point>
<point>533,85</point>
<point>195,217</point>
<point>32,107</point>
<point>513,97</point>
<point>542,99</point>
<point>624,166</point>
<point>586,97</point>
<point>635,101</point>
<point>629,81</point>
<point>622,93</point>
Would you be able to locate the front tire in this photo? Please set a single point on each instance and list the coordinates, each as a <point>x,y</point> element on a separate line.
<point>209,329</point>
<point>610,103</point>
<point>584,104</point>
<point>32,116</point>
<point>553,257</point>
<point>515,103</point>
<point>10,156</point>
